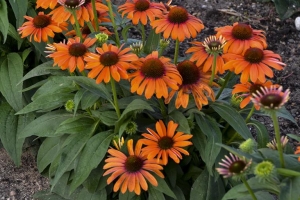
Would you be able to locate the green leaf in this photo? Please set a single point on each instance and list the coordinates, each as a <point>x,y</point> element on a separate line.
<point>261,133</point>
<point>86,195</point>
<point>179,118</point>
<point>125,31</point>
<point>91,156</point>
<point>88,99</point>
<point>295,137</point>
<point>289,189</point>
<point>4,24</point>
<point>206,188</point>
<point>47,152</point>
<point>47,195</point>
<point>260,195</point>
<point>108,118</point>
<point>163,187</point>
<point>240,191</point>
<point>74,125</point>
<point>11,71</point>
<point>19,9</point>
<point>45,125</point>
<point>155,194</point>
<point>14,34</point>
<point>94,180</point>
<point>10,127</point>
<point>152,42</point>
<point>211,129</point>
<point>230,115</point>
<point>126,196</point>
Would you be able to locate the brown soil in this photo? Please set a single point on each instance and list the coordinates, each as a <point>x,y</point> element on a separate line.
<point>282,36</point>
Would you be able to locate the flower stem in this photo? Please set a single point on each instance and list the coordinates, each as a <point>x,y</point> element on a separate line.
<point>249,188</point>
<point>250,114</point>
<point>77,26</point>
<point>111,15</point>
<point>95,15</point>
<point>162,107</point>
<point>214,64</point>
<point>277,137</point>
<point>176,51</point>
<point>116,103</point>
<point>227,78</point>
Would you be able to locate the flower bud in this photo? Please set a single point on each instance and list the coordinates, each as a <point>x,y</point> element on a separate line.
<point>248,146</point>
<point>101,38</point>
<point>70,105</point>
<point>131,128</point>
<point>264,170</point>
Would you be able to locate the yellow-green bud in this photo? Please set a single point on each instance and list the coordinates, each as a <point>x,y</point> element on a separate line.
<point>131,128</point>
<point>117,142</point>
<point>164,43</point>
<point>248,146</point>
<point>264,170</point>
<point>70,105</point>
<point>236,100</point>
<point>101,38</point>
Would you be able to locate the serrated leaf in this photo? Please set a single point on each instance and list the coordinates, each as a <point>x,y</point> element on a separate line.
<point>230,115</point>
<point>45,125</point>
<point>71,151</point>
<point>4,24</point>
<point>261,132</point>
<point>91,156</point>
<point>11,71</point>
<point>19,9</point>
<point>206,188</point>
<point>47,152</point>
<point>74,125</point>
<point>179,118</point>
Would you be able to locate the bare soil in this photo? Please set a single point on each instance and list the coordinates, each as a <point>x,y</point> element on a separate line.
<point>282,37</point>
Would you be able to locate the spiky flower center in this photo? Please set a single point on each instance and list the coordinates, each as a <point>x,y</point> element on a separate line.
<point>242,31</point>
<point>153,68</point>
<point>72,3</point>
<point>77,49</point>
<point>189,72</point>
<point>256,88</point>
<point>214,44</point>
<point>86,30</point>
<point>237,167</point>
<point>254,55</point>
<point>165,143</point>
<point>134,164</point>
<point>178,15</point>
<point>41,21</point>
<point>142,5</point>
<point>271,100</point>
<point>109,58</point>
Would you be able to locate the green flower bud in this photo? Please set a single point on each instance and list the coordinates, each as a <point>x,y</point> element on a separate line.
<point>236,100</point>
<point>131,128</point>
<point>101,38</point>
<point>248,146</point>
<point>117,142</point>
<point>137,48</point>
<point>70,105</point>
<point>264,170</point>
<point>164,43</point>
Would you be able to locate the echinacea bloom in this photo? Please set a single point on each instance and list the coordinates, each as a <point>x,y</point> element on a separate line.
<point>83,9</point>
<point>141,10</point>
<point>110,61</point>
<point>248,89</point>
<point>271,98</point>
<point>165,142</point>
<point>254,64</point>
<point>41,27</point>
<point>177,24</point>
<point>195,82</point>
<point>203,53</point>
<point>154,75</point>
<point>46,4</point>
<point>70,55</point>
<point>132,171</point>
<point>273,144</point>
<point>298,152</point>
<point>241,37</point>
<point>233,166</point>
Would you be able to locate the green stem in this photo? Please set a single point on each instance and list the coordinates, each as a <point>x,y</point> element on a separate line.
<point>77,26</point>
<point>227,78</point>
<point>176,51</point>
<point>89,24</point>
<point>214,64</point>
<point>277,137</point>
<point>250,114</point>
<point>249,188</point>
<point>116,103</point>
<point>95,15</point>
<point>162,107</point>
<point>111,15</point>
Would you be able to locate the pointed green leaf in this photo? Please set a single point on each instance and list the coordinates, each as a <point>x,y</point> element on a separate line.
<point>163,187</point>
<point>155,194</point>
<point>91,156</point>
<point>74,125</point>
<point>108,118</point>
<point>86,195</point>
<point>152,42</point>
<point>4,24</point>
<point>88,99</point>
<point>261,132</point>
<point>179,118</point>
<point>14,34</point>
<point>45,125</point>
<point>230,115</point>
<point>289,189</point>
<point>11,72</point>
<point>19,8</point>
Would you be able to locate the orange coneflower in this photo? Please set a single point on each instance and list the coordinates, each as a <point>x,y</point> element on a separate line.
<point>165,142</point>
<point>46,4</point>
<point>254,63</point>
<point>41,27</point>
<point>83,9</point>
<point>141,10</point>
<point>240,37</point>
<point>194,81</point>
<point>154,75</point>
<point>70,55</point>
<point>204,52</point>
<point>298,152</point>
<point>178,24</point>
<point>133,170</point>
<point>248,89</point>
<point>110,61</point>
